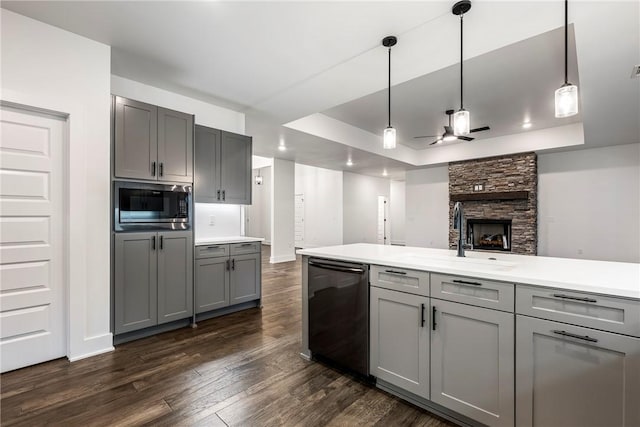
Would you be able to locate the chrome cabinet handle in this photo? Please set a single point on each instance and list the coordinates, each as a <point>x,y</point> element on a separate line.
<point>395,272</point>
<point>422,315</point>
<point>153,168</point>
<point>228,262</point>
<point>161,168</point>
<point>153,243</point>
<point>574,298</point>
<point>433,318</point>
<point>213,247</point>
<point>570,335</point>
<point>223,195</point>
<point>464,282</point>
<point>233,264</point>
<point>161,242</point>
<point>244,245</point>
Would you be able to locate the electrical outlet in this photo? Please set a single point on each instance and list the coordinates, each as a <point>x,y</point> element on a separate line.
<point>212,220</point>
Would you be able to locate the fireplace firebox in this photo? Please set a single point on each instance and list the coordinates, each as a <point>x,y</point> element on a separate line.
<point>489,234</point>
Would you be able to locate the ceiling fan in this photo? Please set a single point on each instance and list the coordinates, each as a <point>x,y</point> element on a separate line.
<point>448,134</point>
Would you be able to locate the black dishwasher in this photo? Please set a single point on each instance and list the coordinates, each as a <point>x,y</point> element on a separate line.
<point>339,313</point>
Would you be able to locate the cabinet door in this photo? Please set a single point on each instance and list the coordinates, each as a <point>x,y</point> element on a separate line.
<point>175,275</point>
<point>400,340</point>
<point>206,183</point>
<point>135,281</point>
<point>472,361</point>
<point>212,283</point>
<point>574,376</point>
<point>235,168</point>
<point>136,141</point>
<point>246,274</point>
<point>175,146</point>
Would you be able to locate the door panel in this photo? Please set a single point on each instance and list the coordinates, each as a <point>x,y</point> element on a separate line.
<point>136,139</point>
<point>235,168</point>
<point>212,283</point>
<point>135,281</point>
<point>175,146</point>
<point>245,278</point>
<point>206,180</point>
<point>175,276</point>
<point>400,340</point>
<point>31,240</point>
<point>472,362</point>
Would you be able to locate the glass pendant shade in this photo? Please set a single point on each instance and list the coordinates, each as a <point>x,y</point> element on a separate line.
<point>567,101</point>
<point>461,122</point>
<point>389,140</point>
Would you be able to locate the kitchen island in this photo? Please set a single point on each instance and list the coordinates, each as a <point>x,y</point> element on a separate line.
<point>499,339</point>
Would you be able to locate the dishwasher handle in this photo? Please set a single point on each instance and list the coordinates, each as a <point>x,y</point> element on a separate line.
<point>337,267</point>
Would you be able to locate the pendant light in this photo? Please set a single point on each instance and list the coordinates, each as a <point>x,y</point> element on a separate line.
<point>461,117</point>
<point>389,136</point>
<point>567,95</point>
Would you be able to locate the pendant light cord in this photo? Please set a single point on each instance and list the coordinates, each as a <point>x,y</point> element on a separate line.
<point>461,69</point>
<point>566,41</point>
<point>389,97</point>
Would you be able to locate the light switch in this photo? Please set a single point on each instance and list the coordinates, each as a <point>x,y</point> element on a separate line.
<point>212,220</point>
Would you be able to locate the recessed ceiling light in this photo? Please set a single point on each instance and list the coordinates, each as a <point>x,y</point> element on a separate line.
<point>349,162</point>
<point>384,172</point>
<point>526,125</point>
<point>282,147</point>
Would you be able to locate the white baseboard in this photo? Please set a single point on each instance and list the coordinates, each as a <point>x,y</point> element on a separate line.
<point>398,242</point>
<point>94,346</point>
<point>282,258</point>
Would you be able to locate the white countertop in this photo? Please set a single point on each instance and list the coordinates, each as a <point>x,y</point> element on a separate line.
<point>602,277</point>
<point>227,239</point>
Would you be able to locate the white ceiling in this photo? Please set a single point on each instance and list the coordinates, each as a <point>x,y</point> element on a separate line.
<point>284,62</point>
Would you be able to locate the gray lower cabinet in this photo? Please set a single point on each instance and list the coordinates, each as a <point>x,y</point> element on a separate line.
<point>212,283</point>
<point>399,339</point>
<point>153,279</point>
<point>472,361</point>
<point>227,275</point>
<point>135,281</point>
<point>152,143</point>
<point>574,376</point>
<point>222,167</point>
<point>175,275</point>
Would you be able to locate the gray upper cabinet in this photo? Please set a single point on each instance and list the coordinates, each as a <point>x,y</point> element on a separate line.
<point>175,146</point>
<point>235,168</point>
<point>472,361</point>
<point>175,276</point>
<point>573,376</point>
<point>135,281</point>
<point>136,148</point>
<point>245,278</point>
<point>152,143</point>
<point>222,167</point>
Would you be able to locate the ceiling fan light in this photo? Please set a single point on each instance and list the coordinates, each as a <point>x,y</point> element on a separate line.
<point>389,138</point>
<point>566,100</point>
<point>461,122</point>
<point>449,138</point>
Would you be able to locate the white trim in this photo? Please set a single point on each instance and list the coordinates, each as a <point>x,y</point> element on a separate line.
<point>108,349</point>
<point>282,258</point>
<point>398,242</point>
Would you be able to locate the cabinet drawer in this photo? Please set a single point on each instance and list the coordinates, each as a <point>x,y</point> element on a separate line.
<point>470,290</point>
<point>400,279</point>
<point>211,251</point>
<point>593,311</point>
<point>245,248</point>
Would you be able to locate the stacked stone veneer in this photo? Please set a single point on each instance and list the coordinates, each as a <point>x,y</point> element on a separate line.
<point>517,172</point>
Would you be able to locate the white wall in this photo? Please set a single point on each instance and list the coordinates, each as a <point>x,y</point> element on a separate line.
<point>589,204</point>
<point>258,214</point>
<point>45,67</point>
<point>427,207</point>
<point>226,220</point>
<point>206,114</point>
<point>397,212</point>
<point>322,189</point>
<point>360,207</point>
<point>282,211</point>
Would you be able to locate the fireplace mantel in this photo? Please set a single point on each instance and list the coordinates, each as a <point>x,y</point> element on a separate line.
<point>495,195</point>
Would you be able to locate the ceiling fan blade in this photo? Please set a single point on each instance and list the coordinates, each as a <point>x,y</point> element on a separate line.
<point>425,136</point>
<point>465,138</point>
<point>480,129</point>
<point>435,142</point>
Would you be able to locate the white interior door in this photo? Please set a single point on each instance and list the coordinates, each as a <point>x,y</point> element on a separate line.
<point>383,223</point>
<point>299,220</point>
<point>31,238</point>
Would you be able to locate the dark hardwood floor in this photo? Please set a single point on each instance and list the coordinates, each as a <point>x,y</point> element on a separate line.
<point>240,369</point>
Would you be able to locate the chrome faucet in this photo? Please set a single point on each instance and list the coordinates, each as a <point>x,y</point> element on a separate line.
<point>458,219</point>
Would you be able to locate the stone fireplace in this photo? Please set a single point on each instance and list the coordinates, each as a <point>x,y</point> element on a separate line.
<point>499,196</point>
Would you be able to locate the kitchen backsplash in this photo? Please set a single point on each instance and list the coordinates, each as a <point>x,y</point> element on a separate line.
<point>217,220</point>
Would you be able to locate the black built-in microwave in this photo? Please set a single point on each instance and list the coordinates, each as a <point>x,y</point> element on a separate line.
<point>139,206</point>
